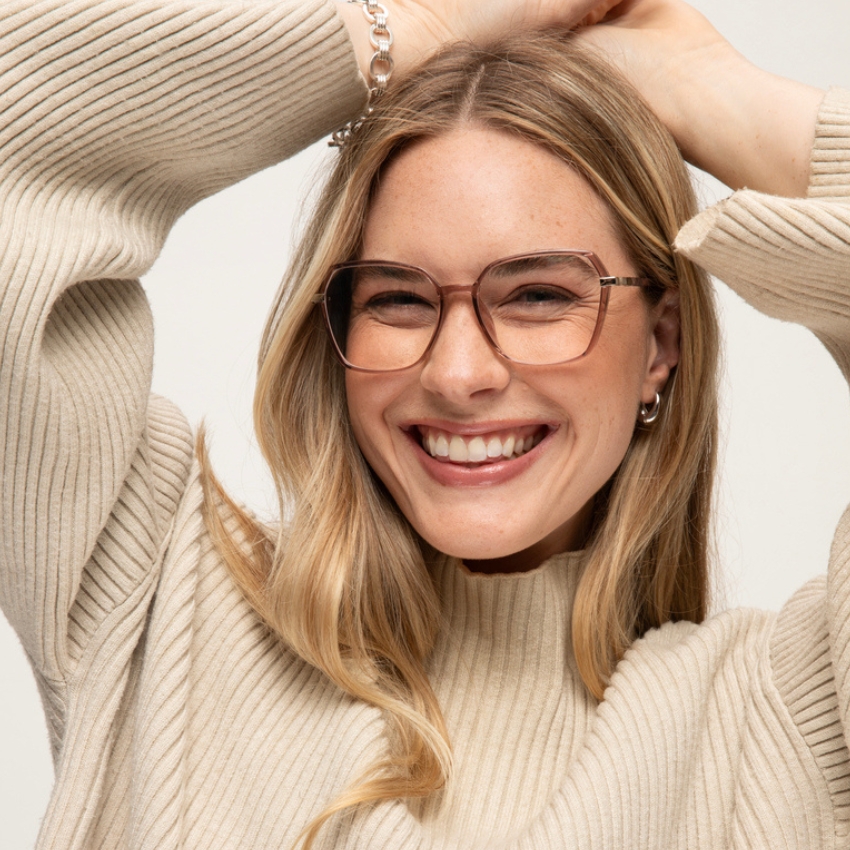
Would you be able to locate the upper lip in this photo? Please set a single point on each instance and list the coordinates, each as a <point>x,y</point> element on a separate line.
<point>473,429</point>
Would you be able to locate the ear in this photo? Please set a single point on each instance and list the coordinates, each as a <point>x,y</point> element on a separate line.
<point>664,346</point>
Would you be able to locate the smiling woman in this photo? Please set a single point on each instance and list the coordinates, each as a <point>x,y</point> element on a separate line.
<point>470,161</point>
<point>476,193</point>
<point>487,395</point>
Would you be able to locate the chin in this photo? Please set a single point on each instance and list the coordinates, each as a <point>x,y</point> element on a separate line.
<point>520,548</point>
<point>486,546</point>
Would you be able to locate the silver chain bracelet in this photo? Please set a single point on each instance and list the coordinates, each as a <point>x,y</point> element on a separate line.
<point>380,66</point>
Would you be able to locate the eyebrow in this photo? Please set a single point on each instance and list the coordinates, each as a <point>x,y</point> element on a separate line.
<point>399,273</point>
<point>544,261</point>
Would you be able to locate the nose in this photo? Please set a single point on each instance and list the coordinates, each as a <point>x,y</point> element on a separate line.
<point>462,364</point>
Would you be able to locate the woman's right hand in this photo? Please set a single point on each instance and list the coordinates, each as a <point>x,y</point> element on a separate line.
<point>420,27</point>
<point>745,126</point>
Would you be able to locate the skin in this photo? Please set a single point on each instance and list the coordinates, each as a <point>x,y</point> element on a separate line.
<point>451,205</point>
<point>419,28</point>
<point>745,126</point>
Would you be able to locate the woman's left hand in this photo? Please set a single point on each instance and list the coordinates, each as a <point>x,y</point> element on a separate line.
<point>747,127</point>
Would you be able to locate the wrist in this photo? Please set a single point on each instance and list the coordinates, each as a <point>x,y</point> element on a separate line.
<point>415,35</point>
<point>358,33</point>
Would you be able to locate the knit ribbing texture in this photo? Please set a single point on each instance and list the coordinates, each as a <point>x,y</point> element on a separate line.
<point>176,720</point>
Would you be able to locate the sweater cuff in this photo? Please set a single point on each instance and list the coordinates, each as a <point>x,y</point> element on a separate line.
<point>830,167</point>
<point>333,90</point>
<point>788,257</point>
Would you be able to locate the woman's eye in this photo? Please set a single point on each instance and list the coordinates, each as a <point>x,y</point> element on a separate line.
<point>543,295</point>
<point>399,308</point>
<point>390,300</point>
<point>536,303</point>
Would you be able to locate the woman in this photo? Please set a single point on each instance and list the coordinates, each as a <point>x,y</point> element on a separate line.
<point>178,718</point>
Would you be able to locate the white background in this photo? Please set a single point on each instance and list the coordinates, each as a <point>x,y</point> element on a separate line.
<point>785,474</point>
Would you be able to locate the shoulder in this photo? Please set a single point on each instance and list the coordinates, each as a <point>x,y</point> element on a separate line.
<point>738,638</point>
<point>732,642</point>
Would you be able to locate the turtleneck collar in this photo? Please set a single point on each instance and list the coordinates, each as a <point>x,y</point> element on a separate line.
<point>505,676</point>
<point>509,605</point>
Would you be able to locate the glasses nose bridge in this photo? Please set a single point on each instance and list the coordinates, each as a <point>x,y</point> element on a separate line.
<point>472,289</point>
<point>452,288</point>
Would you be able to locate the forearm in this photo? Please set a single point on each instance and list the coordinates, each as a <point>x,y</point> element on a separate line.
<point>117,116</point>
<point>176,98</point>
<point>747,127</point>
<point>789,257</point>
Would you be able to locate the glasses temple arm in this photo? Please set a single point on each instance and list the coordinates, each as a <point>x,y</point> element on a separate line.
<point>627,281</point>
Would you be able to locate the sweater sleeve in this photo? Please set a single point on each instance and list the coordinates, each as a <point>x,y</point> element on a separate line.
<point>116,117</point>
<point>791,260</point>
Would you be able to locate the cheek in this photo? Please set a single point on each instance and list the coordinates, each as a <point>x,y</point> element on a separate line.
<point>361,407</point>
<point>602,423</point>
<point>603,401</point>
<point>369,398</point>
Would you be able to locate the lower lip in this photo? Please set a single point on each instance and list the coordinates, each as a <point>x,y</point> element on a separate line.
<point>487,475</point>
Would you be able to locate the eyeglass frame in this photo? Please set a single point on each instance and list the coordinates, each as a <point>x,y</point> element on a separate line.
<point>606,281</point>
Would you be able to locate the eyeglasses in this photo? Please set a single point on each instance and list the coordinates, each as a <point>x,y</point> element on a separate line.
<point>538,309</point>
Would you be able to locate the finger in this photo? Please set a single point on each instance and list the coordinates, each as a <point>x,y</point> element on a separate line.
<point>601,11</point>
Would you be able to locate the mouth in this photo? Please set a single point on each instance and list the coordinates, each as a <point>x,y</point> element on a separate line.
<point>475,450</point>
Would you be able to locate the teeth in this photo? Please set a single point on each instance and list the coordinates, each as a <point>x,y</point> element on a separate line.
<point>457,450</point>
<point>478,449</point>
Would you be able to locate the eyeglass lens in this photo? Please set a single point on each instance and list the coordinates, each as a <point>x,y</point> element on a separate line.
<point>539,309</point>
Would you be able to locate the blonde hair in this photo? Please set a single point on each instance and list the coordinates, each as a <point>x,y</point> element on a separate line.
<point>344,582</point>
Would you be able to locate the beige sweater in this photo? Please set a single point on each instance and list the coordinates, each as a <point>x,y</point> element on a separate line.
<point>175,721</point>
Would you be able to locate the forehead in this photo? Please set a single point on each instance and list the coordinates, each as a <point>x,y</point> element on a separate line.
<point>454,203</point>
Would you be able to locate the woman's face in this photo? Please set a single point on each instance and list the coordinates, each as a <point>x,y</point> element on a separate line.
<point>451,206</point>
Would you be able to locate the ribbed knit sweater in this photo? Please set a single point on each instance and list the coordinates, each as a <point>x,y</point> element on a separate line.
<point>176,721</point>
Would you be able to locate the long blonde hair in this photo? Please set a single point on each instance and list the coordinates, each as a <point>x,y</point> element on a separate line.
<point>344,581</point>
